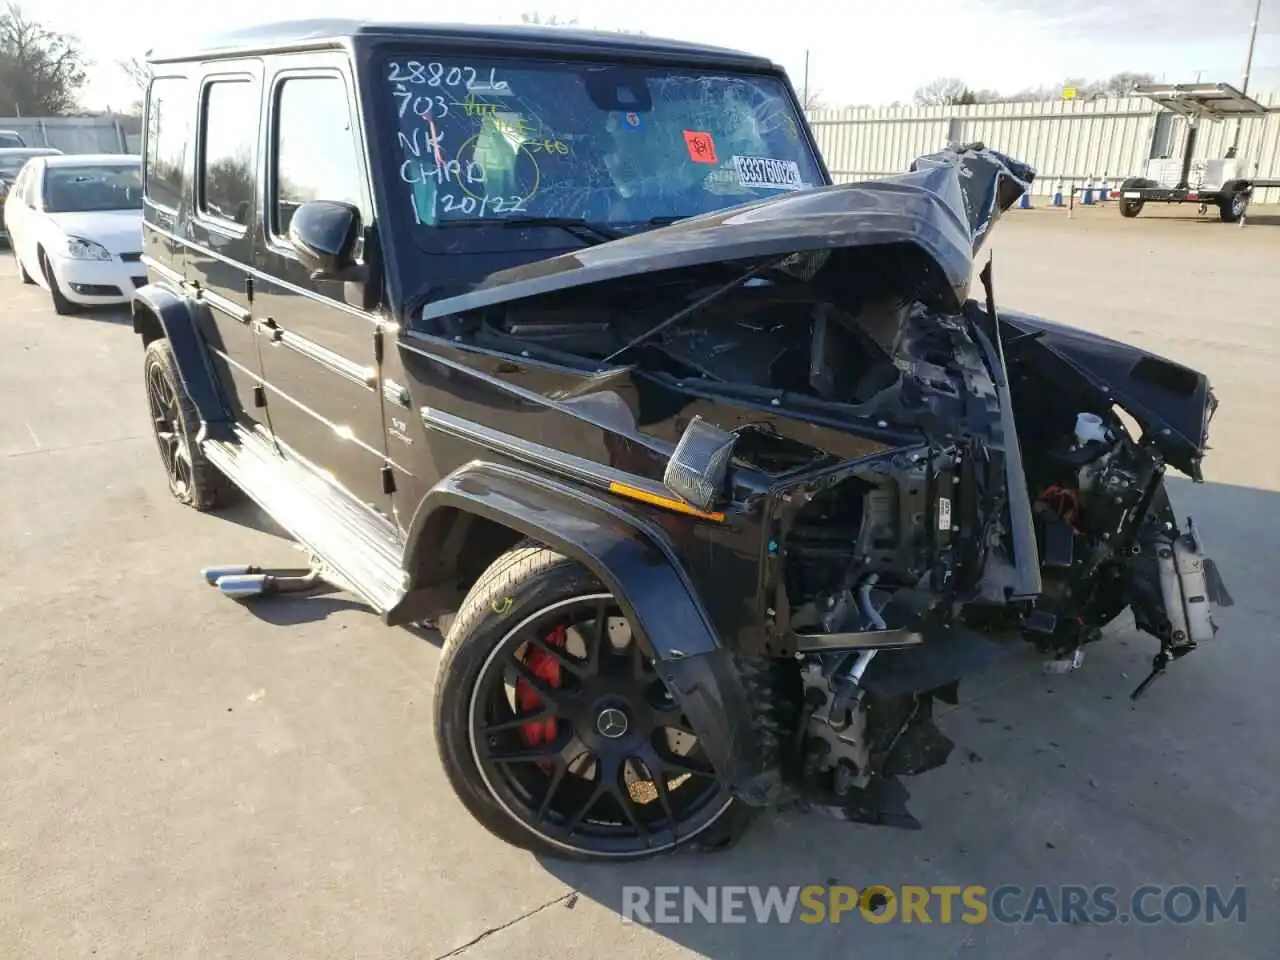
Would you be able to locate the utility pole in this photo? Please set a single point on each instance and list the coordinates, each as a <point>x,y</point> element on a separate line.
<point>1248,67</point>
<point>1253,36</point>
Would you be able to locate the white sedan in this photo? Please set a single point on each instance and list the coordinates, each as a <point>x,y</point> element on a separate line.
<point>75,227</point>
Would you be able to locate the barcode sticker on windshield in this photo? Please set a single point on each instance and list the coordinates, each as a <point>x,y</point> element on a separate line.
<point>768,174</point>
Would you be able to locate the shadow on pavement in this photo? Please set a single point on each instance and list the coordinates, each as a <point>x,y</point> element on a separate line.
<point>113,314</point>
<point>1261,220</point>
<point>1055,780</point>
<point>310,608</point>
<point>246,513</point>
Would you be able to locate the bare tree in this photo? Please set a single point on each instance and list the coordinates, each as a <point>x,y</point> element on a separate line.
<point>138,71</point>
<point>1124,83</point>
<point>41,70</point>
<point>945,92</point>
<point>537,19</point>
<point>1117,85</point>
<point>813,100</point>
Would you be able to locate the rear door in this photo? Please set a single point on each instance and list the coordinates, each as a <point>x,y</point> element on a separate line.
<point>167,158</point>
<point>220,234</point>
<point>319,357</point>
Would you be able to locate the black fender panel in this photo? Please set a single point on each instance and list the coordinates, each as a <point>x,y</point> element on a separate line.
<point>189,353</point>
<point>1173,403</point>
<point>634,561</point>
<point>630,556</point>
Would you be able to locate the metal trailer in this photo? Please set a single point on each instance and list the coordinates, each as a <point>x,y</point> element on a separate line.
<point>1209,183</point>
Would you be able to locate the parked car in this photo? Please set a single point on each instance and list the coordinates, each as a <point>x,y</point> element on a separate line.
<point>11,138</point>
<point>12,160</point>
<point>715,473</point>
<point>75,227</point>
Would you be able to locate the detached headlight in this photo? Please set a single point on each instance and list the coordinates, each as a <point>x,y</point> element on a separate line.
<point>80,249</point>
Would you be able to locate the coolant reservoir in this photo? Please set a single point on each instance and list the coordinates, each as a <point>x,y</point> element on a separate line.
<point>1089,427</point>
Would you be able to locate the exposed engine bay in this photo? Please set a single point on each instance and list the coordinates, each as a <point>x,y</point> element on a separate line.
<point>1011,484</point>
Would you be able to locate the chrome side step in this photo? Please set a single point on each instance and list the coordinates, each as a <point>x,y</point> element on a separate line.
<point>363,549</point>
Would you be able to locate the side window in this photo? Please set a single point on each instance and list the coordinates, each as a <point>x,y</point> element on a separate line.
<point>20,184</point>
<point>314,147</point>
<point>228,132</point>
<point>29,188</point>
<point>168,129</point>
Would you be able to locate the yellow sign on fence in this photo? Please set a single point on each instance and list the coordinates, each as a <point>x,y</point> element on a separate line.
<point>1068,93</point>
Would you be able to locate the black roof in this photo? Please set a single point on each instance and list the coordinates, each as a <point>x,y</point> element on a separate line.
<point>299,34</point>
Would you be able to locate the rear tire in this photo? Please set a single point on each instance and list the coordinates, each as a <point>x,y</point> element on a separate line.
<point>1231,209</point>
<point>193,480</point>
<point>61,305</point>
<point>522,589</point>
<point>1130,208</point>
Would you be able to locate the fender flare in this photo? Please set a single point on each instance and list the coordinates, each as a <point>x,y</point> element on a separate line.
<point>629,555</point>
<point>636,563</point>
<point>173,313</point>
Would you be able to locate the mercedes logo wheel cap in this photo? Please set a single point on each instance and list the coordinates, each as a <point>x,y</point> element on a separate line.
<point>611,723</point>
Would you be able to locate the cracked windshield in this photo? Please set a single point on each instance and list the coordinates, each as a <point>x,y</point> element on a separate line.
<point>487,140</point>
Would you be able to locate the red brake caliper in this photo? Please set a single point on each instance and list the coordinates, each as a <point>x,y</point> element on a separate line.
<point>545,667</point>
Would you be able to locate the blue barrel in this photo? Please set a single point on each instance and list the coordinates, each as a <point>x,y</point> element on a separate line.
<point>1025,202</point>
<point>1088,193</point>
<point>1057,194</point>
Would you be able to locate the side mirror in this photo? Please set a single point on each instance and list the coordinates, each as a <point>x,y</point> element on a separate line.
<point>326,236</point>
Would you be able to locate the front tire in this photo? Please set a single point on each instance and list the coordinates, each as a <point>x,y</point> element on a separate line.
<point>193,480</point>
<point>22,270</point>
<point>1130,208</point>
<point>555,731</point>
<point>61,305</point>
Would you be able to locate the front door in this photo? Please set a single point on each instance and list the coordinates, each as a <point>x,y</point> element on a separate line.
<point>318,354</point>
<point>220,235</point>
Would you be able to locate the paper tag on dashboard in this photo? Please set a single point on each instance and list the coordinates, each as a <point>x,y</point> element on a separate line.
<point>765,173</point>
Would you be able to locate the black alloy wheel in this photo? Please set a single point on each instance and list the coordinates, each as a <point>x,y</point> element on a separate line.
<point>175,450</point>
<point>557,732</point>
<point>193,480</point>
<point>575,736</point>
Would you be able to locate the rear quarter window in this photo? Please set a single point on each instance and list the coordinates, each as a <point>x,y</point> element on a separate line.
<point>168,130</point>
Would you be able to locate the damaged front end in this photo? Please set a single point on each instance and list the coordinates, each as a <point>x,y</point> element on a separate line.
<point>927,481</point>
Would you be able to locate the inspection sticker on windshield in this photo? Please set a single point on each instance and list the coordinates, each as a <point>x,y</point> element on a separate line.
<point>702,146</point>
<point>769,174</point>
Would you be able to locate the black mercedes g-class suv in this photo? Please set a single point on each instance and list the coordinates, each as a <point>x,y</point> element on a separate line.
<point>719,473</point>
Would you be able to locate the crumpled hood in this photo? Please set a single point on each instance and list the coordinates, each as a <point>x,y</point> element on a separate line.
<point>945,206</point>
<point>120,231</point>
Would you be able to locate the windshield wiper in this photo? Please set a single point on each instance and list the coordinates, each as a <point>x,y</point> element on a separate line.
<point>582,229</point>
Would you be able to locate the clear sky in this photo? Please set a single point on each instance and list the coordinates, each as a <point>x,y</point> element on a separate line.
<point>860,51</point>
